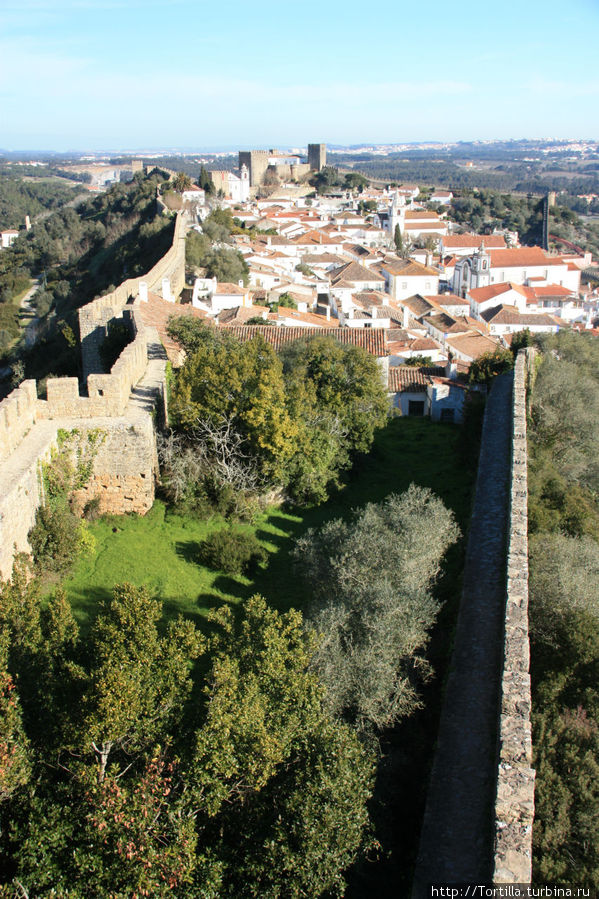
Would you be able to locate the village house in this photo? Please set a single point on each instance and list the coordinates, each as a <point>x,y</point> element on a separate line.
<point>421,392</point>
<point>504,320</point>
<point>404,278</point>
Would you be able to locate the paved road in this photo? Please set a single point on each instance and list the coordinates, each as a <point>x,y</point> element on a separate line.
<point>456,844</point>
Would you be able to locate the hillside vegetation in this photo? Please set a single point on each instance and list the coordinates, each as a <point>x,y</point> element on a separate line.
<point>80,254</point>
<point>564,609</point>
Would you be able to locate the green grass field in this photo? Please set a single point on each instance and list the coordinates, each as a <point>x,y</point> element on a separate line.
<point>160,550</point>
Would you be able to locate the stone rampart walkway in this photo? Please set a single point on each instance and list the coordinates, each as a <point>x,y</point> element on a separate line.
<point>456,844</point>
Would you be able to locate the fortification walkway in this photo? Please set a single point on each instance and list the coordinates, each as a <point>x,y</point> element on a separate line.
<point>456,844</point>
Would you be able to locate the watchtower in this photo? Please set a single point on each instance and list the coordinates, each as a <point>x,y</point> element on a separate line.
<point>317,156</point>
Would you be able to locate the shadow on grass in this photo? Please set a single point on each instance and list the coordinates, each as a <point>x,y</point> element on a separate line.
<point>189,551</point>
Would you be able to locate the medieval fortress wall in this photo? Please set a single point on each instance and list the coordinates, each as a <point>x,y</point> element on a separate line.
<point>514,804</point>
<point>124,466</point>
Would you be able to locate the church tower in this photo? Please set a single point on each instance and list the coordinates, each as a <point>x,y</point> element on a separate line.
<point>481,268</point>
<point>244,175</point>
<point>396,214</point>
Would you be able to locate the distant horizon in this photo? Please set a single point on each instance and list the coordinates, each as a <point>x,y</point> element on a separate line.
<point>231,149</point>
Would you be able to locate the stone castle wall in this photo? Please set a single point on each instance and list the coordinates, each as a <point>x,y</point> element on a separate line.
<point>94,318</point>
<point>514,804</point>
<point>18,414</point>
<point>122,477</point>
<point>124,468</point>
<point>125,464</point>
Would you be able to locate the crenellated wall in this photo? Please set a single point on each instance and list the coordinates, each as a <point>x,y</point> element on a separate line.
<point>125,464</point>
<point>18,413</point>
<point>94,318</point>
<point>514,804</point>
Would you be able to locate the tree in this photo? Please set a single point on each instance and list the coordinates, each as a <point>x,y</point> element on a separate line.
<point>566,797</point>
<point>398,240</point>
<point>242,384</point>
<point>269,761</point>
<point>355,181</point>
<point>565,413</point>
<point>227,265</point>
<point>138,679</point>
<point>14,745</point>
<point>564,606</point>
<point>181,182</point>
<point>489,365</point>
<point>337,397</point>
<point>520,340</point>
<point>373,607</point>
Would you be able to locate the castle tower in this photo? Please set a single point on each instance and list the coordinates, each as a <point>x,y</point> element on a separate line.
<point>317,157</point>
<point>256,162</point>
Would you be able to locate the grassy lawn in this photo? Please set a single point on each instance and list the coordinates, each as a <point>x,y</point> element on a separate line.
<point>160,550</point>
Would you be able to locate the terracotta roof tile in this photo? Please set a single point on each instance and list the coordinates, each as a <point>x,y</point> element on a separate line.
<point>407,378</point>
<point>522,256</point>
<point>371,339</point>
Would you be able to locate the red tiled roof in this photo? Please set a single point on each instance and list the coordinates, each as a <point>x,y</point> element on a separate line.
<point>406,378</point>
<point>459,241</point>
<point>553,290</point>
<point>446,299</point>
<point>370,339</point>
<point>520,256</point>
<point>354,272</point>
<point>481,294</point>
<point>406,269</point>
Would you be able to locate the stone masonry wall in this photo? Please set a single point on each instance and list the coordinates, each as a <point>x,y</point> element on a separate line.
<point>17,417</point>
<point>21,492</point>
<point>122,475</point>
<point>94,318</point>
<point>514,805</point>
<point>123,469</point>
<point>125,465</point>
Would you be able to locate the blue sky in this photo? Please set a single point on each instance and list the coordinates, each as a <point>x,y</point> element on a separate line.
<point>110,74</point>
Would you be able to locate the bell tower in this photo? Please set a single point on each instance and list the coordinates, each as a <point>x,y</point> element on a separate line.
<point>481,268</point>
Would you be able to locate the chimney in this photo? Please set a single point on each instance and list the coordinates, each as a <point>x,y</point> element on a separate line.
<point>166,291</point>
<point>451,369</point>
<point>328,313</point>
<point>373,312</point>
<point>143,291</point>
<point>406,317</point>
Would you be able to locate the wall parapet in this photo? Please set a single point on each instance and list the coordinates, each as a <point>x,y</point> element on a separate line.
<point>18,412</point>
<point>514,803</point>
<point>94,317</point>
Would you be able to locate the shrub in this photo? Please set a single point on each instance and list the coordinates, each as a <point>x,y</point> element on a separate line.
<point>55,538</point>
<point>231,551</point>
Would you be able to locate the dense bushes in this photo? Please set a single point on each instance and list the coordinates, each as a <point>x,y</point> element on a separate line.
<point>56,537</point>
<point>59,535</point>
<point>132,773</point>
<point>564,609</point>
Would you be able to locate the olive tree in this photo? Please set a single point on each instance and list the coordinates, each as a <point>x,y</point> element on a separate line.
<point>373,605</point>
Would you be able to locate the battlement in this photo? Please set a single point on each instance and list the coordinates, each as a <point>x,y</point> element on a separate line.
<point>94,318</point>
<point>123,472</point>
<point>18,414</point>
